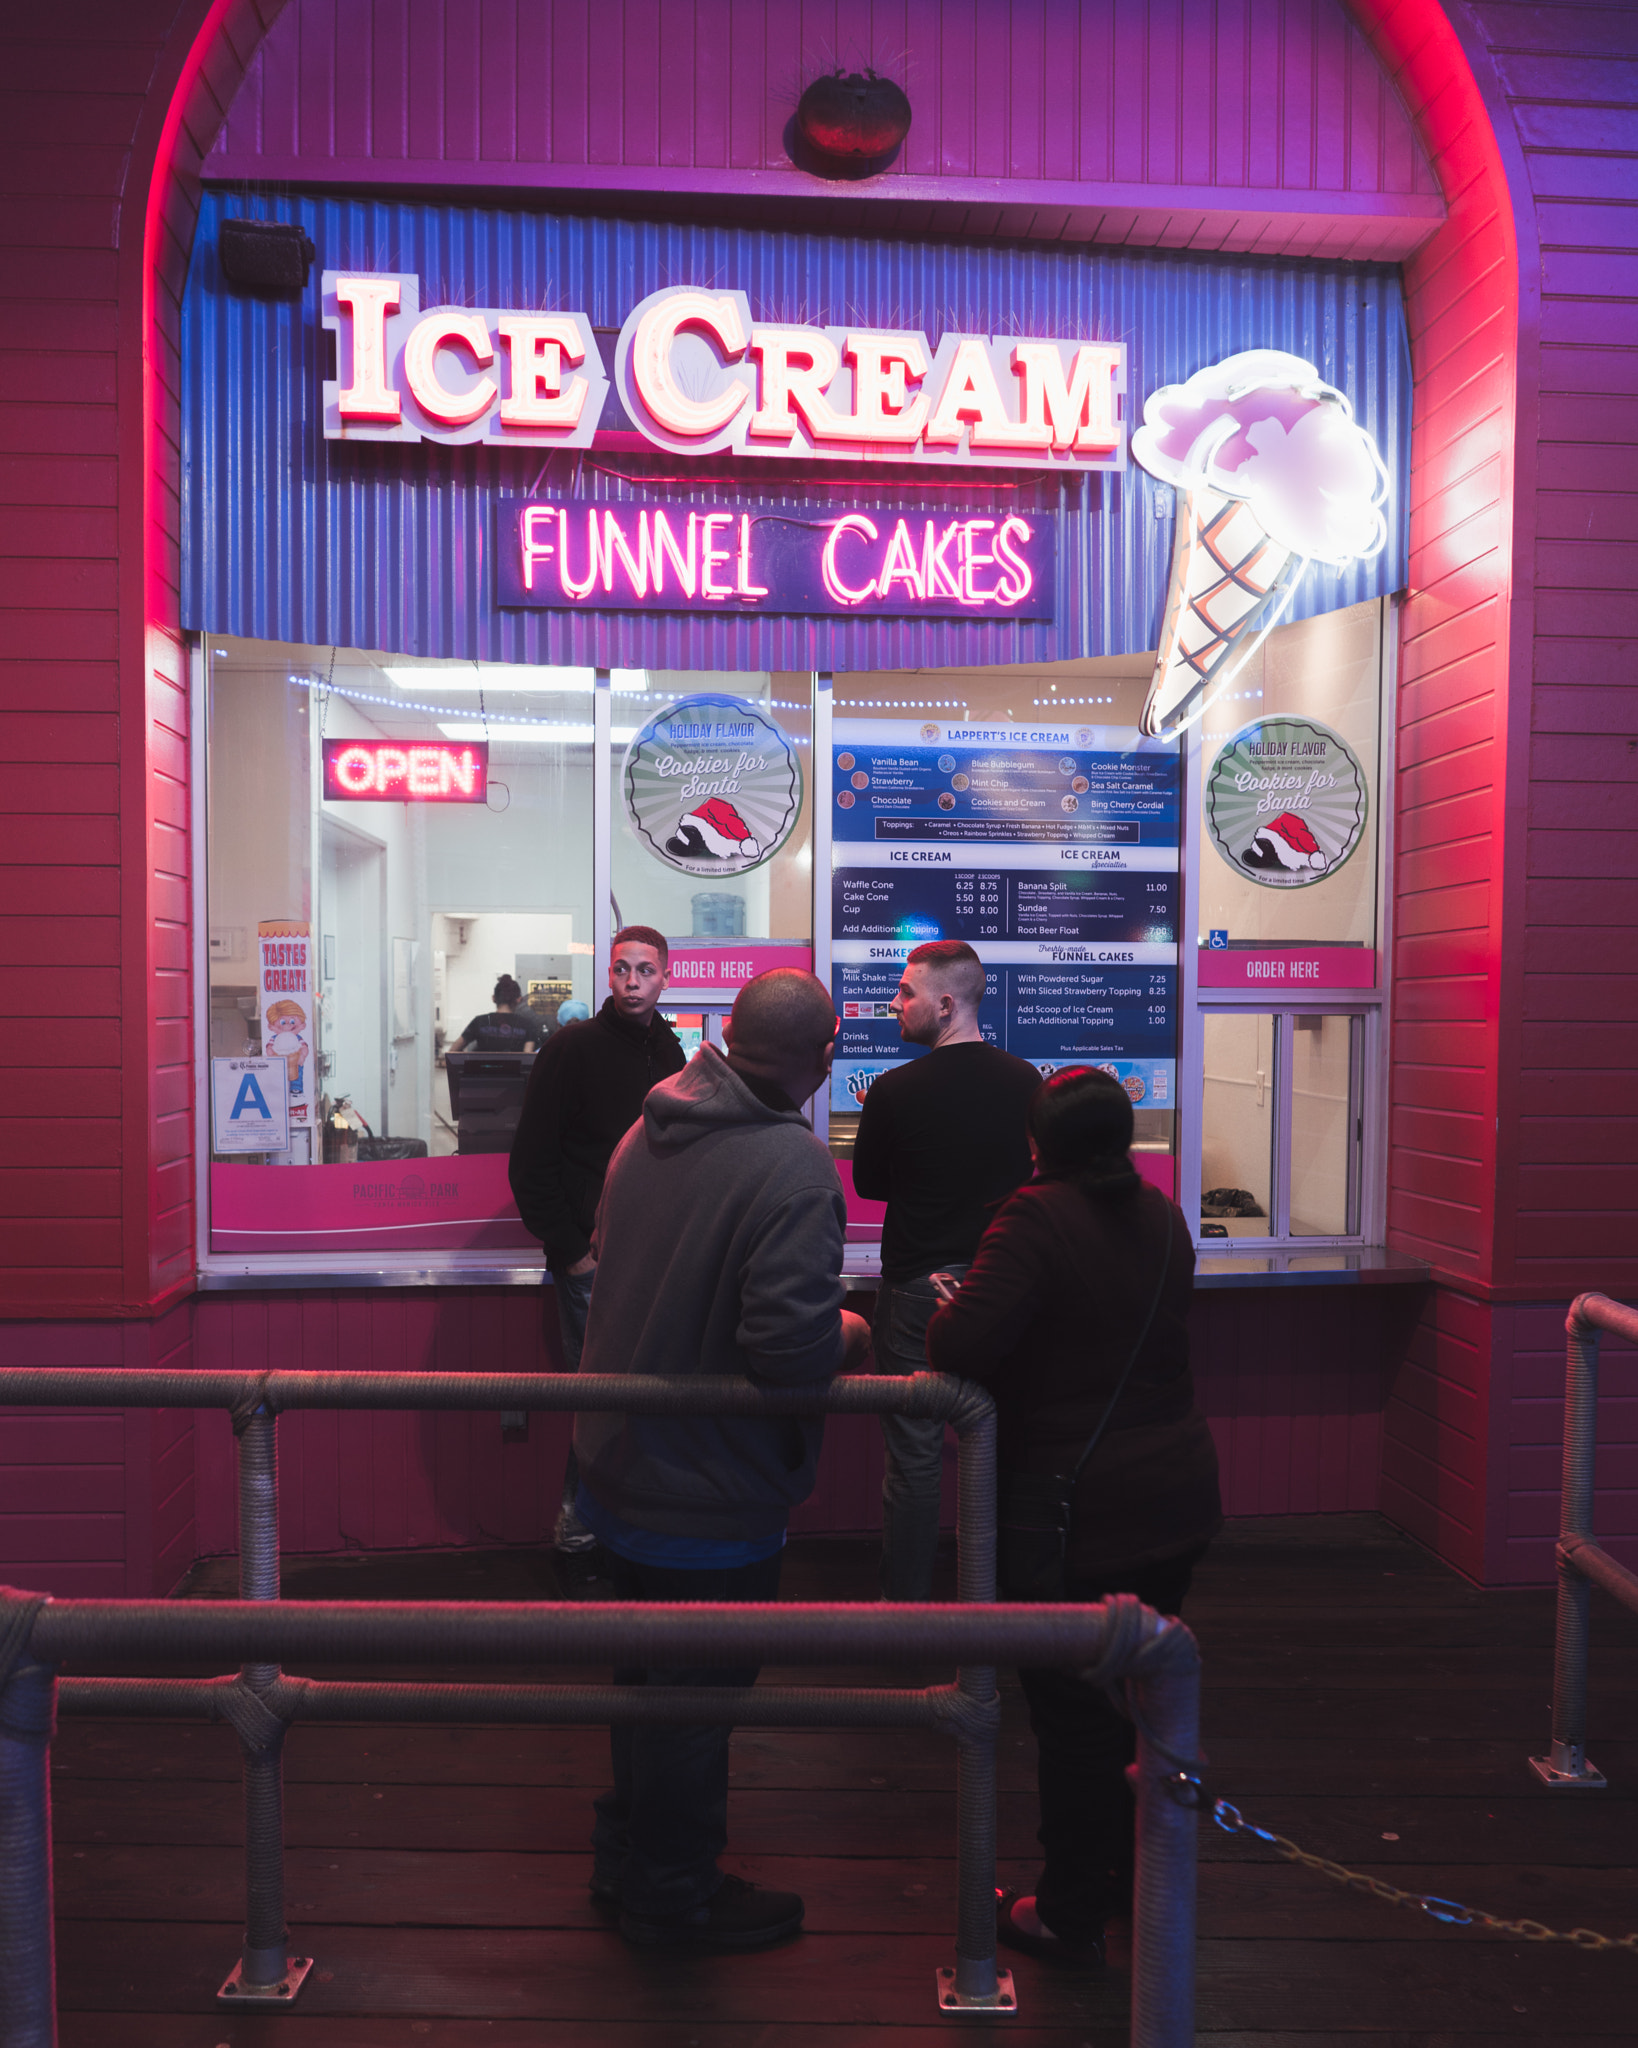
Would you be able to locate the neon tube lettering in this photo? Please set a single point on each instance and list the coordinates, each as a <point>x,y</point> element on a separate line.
<point>1011,531</point>
<point>537,346</point>
<point>899,565</point>
<point>535,548</point>
<point>368,301</point>
<point>710,556</point>
<point>743,586</point>
<point>973,558</point>
<point>615,543</point>
<point>440,330</point>
<point>841,593</point>
<point>596,568</point>
<point>664,542</point>
<point>938,579</point>
<point>691,418</point>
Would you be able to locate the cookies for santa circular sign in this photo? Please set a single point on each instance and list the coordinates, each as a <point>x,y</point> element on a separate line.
<point>1286,802</point>
<point>712,786</point>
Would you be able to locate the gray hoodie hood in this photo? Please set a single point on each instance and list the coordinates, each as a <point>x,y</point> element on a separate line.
<point>706,1097</point>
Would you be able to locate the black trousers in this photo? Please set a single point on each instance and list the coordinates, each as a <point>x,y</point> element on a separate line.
<point>664,1823</point>
<point>1085,1745</point>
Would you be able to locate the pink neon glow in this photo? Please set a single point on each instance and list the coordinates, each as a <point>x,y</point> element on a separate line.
<point>417,772</point>
<point>439,330</point>
<point>368,300</point>
<point>840,592</point>
<point>538,345</point>
<point>672,408</point>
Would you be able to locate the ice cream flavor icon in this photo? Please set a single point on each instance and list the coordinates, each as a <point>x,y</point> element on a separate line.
<point>1272,472</point>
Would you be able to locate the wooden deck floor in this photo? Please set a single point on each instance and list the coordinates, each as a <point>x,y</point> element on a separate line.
<point>1359,1699</point>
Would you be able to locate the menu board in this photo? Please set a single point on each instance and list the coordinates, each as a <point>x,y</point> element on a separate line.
<point>1052,850</point>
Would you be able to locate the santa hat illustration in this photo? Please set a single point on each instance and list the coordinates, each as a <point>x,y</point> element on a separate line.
<point>1284,845</point>
<point>715,829</point>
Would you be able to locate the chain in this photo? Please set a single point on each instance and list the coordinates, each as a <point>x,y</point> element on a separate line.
<point>1185,1788</point>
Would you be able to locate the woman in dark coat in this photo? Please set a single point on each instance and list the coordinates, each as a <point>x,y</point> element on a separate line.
<point>1047,1317</point>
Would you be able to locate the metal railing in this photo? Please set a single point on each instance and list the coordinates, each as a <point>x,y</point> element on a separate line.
<point>1582,1562</point>
<point>1119,1640</point>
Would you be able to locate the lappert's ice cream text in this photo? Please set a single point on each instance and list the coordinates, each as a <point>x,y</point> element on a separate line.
<point>1272,472</point>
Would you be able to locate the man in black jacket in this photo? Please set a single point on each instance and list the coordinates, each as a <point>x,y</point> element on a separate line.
<point>941,1141</point>
<point>585,1093</point>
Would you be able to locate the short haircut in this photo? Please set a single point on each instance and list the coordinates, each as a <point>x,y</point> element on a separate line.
<point>956,967</point>
<point>783,1015</point>
<point>1080,1117</point>
<point>642,935</point>
<point>506,990</point>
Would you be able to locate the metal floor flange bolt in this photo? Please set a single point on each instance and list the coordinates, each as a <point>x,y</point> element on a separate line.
<point>951,1998</point>
<point>239,1991</point>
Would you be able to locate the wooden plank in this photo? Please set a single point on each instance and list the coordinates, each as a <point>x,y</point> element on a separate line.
<point>1471,1987</point>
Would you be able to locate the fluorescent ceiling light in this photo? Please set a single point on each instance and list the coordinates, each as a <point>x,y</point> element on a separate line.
<point>510,677</point>
<point>564,735</point>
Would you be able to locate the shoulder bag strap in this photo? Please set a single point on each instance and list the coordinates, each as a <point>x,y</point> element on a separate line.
<point>1120,1385</point>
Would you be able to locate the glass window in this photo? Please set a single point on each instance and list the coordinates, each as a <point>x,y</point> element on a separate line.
<point>1288,795</point>
<point>1237,1125</point>
<point>675,860</point>
<point>1327,1125</point>
<point>366,924</point>
<point>1017,808</point>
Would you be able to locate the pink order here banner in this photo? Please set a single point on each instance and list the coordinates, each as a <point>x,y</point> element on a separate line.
<point>397,1205</point>
<point>1283,968</point>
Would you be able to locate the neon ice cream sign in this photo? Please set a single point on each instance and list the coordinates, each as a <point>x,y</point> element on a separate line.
<point>697,373</point>
<point>1272,472</point>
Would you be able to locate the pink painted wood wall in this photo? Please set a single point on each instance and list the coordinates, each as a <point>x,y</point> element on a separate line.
<point>1262,125</point>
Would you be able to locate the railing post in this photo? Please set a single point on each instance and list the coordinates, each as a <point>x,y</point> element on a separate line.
<point>28,1963</point>
<point>975,1984</point>
<point>266,1973</point>
<point>1565,1766</point>
<point>1163,1906</point>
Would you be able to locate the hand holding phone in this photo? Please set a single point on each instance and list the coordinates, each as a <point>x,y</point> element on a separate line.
<point>945,1285</point>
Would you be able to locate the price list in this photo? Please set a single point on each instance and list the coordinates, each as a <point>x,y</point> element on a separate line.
<point>1053,852</point>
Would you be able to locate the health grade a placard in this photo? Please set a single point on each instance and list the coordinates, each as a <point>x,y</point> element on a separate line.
<point>1052,850</point>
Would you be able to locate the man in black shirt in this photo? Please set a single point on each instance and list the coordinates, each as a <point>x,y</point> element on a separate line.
<point>585,1093</point>
<point>942,1141</point>
<point>507,1028</point>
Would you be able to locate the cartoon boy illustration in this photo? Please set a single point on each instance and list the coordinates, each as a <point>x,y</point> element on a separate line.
<point>282,1039</point>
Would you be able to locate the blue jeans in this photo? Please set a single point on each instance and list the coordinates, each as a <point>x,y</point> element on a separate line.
<point>661,1829</point>
<point>912,1478</point>
<point>573,1292</point>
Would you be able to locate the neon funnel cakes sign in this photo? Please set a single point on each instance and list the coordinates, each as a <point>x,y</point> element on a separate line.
<point>712,786</point>
<point>1272,472</point>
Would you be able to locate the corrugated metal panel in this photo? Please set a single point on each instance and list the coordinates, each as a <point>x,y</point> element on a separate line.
<point>288,537</point>
<point>1163,121</point>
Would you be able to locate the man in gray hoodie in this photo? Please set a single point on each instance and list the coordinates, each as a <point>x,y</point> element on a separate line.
<point>719,1251</point>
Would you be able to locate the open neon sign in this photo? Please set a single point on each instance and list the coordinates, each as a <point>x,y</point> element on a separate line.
<point>680,557</point>
<point>406,771</point>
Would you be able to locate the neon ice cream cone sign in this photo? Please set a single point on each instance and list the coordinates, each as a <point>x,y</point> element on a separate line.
<point>1272,472</point>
